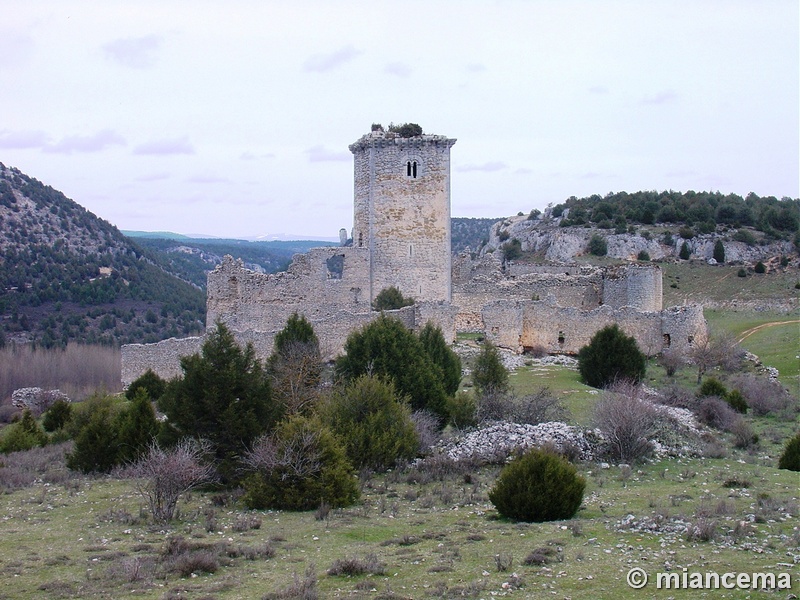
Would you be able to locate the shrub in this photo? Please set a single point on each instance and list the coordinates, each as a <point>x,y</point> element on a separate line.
<point>57,416</point>
<point>512,250</point>
<point>597,245</point>
<point>610,356</point>
<point>687,233</point>
<point>716,412</point>
<point>643,256</point>
<point>150,382</point>
<point>737,401</point>
<point>627,422</point>
<point>743,435</point>
<point>489,375</point>
<point>760,268</point>
<point>790,459</point>
<point>713,387</point>
<point>741,273</point>
<point>684,253</point>
<point>165,475</point>
<point>542,406</point>
<point>353,566</point>
<point>406,130</point>
<point>298,467</point>
<point>23,435</point>
<point>390,298</point>
<point>764,396</point>
<point>538,486</point>
<point>373,423</point>
<point>461,409</point>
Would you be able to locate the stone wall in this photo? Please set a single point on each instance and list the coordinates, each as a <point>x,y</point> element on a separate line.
<point>637,286</point>
<point>163,358</point>
<point>402,212</point>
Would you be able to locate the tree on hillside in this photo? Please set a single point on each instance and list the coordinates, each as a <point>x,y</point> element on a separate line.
<point>611,356</point>
<point>223,397</point>
<point>295,366</point>
<point>719,252</point>
<point>387,347</point>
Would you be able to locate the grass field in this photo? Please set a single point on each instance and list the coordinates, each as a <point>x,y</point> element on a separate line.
<point>424,534</point>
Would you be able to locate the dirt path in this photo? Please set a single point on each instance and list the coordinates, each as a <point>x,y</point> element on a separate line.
<point>752,330</point>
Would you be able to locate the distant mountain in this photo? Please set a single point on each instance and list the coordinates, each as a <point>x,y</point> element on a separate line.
<point>192,259</point>
<point>66,275</point>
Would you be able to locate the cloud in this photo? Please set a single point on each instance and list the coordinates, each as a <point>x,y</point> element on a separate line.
<point>485,167</point>
<point>475,68</point>
<point>665,97</point>
<point>399,69</point>
<point>523,171</point>
<point>252,156</point>
<point>16,48</point>
<point>136,53</point>
<point>325,62</point>
<point>322,154</point>
<point>154,177</point>
<point>87,143</point>
<point>207,179</point>
<point>17,140</point>
<point>165,147</point>
<point>599,90</point>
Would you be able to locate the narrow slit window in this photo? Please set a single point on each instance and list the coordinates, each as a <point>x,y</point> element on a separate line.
<point>411,169</point>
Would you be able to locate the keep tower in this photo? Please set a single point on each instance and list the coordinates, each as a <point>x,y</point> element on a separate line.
<point>402,212</point>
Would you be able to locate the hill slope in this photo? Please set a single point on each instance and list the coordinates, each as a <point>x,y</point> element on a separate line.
<point>66,275</point>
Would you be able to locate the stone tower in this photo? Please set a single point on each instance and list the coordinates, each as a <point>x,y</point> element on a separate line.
<point>402,212</point>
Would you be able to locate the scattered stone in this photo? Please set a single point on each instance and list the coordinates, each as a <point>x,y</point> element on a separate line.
<point>36,399</point>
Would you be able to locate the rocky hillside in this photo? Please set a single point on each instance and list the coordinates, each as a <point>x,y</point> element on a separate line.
<point>545,238</point>
<point>66,275</point>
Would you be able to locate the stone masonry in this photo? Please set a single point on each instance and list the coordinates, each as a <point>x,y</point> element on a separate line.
<point>401,238</point>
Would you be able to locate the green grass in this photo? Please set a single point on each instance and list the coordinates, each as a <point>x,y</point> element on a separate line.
<point>577,397</point>
<point>78,542</point>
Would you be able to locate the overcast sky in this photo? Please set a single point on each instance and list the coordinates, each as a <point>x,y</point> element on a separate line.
<point>233,119</point>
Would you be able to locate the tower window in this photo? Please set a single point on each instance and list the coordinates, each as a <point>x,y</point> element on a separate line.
<point>360,239</point>
<point>411,169</point>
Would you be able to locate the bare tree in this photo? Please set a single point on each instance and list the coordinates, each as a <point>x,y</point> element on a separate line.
<point>672,361</point>
<point>165,475</point>
<point>296,373</point>
<point>715,350</point>
<point>627,421</point>
<point>298,456</point>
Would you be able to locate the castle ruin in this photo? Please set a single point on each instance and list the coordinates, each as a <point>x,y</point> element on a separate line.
<point>401,238</point>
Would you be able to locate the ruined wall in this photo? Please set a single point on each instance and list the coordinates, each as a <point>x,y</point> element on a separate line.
<point>637,286</point>
<point>163,357</point>
<point>520,325</point>
<point>402,212</point>
<point>683,326</point>
<point>318,284</point>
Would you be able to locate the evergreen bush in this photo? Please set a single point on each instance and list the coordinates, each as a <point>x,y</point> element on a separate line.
<point>136,428</point>
<point>643,255</point>
<point>760,268</point>
<point>57,416</point>
<point>610,356</point>
<point>300,466</point>
<point>719,252</point>
<point>390,298</point>
<point>684,253</point>
<point>150,382</point>
<point>23,435</point>
<point>489,375</point>
<point>372,422</point>
<point>790,459</point>
<point>538,486</point>
<point>462,408</point>
<point>441,354</point>
<point>597,245</point>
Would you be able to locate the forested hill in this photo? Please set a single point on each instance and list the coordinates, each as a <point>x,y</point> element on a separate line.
<point>66,275</point>
<point>776,218</point>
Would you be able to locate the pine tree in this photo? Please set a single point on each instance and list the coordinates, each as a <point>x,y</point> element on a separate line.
<point>441,354</point>
<point>489,375</point>
<point>223,397</point>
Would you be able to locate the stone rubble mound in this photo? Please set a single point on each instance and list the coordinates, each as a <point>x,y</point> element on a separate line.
<point>36,399</point>
<point>499,440</point>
